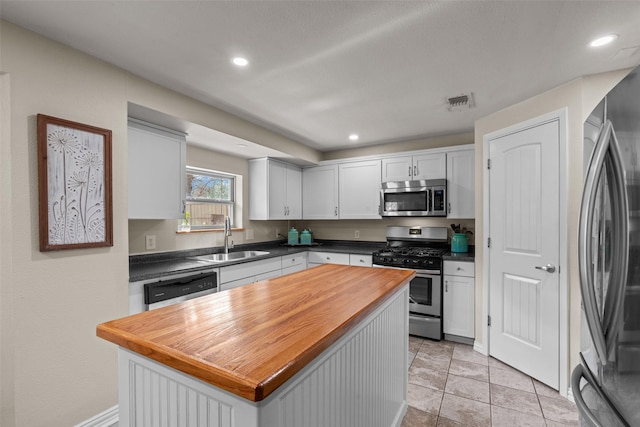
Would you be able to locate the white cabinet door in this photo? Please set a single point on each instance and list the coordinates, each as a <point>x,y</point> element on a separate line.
<point>397,169</point>
<point>458,298</point>
<point>316,258</point>
<point>359,184</point>
<point>276,180</point>
<point>407,168</point>
<point>157,174</point>
<point>249,269</point>
<point>430,166</point>
<point>361,260</point>
<point>293,184</point>
<point>274,190</point>
<point>461,184</point>
<point>320,192</point>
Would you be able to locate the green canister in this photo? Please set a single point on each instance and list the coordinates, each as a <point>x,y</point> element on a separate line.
<point>293,236</point>
<point>305,237</point>
<point>459,243</point>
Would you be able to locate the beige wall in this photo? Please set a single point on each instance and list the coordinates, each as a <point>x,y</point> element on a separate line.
<point>53,370</point>
<point>580,97</point>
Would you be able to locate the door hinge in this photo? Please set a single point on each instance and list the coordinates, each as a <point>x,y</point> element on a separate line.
<point>488,320</point>
<point>488,242</point>
<point>488,163</point>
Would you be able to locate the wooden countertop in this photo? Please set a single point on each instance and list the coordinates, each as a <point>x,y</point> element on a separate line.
<point>250,340</point>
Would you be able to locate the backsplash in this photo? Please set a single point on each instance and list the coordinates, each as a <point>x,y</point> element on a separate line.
<point>370,230</point>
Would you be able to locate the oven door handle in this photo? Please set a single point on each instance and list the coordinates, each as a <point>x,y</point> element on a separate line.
<point>425,273</point>
<point>411,300</point>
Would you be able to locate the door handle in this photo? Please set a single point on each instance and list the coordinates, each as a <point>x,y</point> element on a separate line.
<point>549,268</point>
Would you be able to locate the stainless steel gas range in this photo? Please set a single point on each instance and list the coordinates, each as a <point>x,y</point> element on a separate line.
<point>420,249</point>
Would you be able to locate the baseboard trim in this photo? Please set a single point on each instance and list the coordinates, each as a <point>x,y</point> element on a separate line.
<point>480,348</point>
<point>108,418</point>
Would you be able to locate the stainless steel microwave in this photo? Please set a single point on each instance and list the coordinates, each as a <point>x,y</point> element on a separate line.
<point>414,198</point>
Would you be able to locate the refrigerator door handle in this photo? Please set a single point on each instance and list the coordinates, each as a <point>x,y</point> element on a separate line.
<point>585,246</point>
<point>620,254</point>
<point>579,372</point>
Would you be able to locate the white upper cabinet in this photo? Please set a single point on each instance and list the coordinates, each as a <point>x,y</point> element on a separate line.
<point>320,192</point>
<point>461,184</point>
<point>359,184</point>
<point>408,168</point>
<point>275,190</point>
<point>157,175</point>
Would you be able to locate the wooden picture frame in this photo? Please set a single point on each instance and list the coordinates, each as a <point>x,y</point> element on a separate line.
<point>74,185</point>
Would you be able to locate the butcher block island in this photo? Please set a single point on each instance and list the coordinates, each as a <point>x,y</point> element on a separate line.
<point>325,346</point>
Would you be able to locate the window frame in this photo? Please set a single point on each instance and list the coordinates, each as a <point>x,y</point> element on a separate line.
<point>193,200</point>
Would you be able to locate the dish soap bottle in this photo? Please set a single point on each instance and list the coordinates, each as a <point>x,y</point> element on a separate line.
<point>293,236</point>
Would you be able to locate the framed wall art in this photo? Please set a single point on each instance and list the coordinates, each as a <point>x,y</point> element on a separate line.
<point>74,184</point>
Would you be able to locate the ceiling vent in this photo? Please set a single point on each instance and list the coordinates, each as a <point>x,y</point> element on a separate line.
<point>460,102</point>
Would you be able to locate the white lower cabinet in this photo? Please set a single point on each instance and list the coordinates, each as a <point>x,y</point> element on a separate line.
<point>459,299</point>
<point>237,275</point>
<point>294,262</point>
<point>317,258</point>
<point>361,260</point>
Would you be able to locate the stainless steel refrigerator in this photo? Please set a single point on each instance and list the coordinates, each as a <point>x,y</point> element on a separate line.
<point>606,385</point>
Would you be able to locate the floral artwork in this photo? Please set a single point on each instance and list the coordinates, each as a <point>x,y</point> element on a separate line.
<point>75,166</point>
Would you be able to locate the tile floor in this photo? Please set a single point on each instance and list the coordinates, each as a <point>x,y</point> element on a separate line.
<point>450,384</point>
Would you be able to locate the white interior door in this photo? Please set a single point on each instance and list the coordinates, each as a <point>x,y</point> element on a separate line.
<point>524,218</point>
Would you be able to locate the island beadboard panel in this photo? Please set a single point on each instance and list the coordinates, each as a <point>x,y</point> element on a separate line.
<point>360,381</point>
<point>251,340</point>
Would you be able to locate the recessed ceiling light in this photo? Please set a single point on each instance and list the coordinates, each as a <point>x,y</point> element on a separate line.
<point>240,62</point>
<point>353,137</point>
<point>601,41</point>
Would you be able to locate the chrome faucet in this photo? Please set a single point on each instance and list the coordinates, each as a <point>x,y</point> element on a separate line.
<point>227,233</point>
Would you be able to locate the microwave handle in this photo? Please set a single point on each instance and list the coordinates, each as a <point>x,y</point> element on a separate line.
<point>429,200</point>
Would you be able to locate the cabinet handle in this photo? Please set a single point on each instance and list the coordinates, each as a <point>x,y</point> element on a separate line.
<point>415,171</point>
<point>449,206</point>
<point>184,206</point>
<point>362,261</point>
<point>409,171</point>
<point>446,286</point>
<point>335,212</point>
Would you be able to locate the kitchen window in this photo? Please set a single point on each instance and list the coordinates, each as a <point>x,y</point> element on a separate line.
<point>210,198</point>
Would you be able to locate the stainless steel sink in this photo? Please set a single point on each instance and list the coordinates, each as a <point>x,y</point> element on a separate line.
<point>231,256</point>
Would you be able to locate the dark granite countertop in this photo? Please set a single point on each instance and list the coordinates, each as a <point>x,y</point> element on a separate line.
<point>153,266</point>
<point>461,256</point>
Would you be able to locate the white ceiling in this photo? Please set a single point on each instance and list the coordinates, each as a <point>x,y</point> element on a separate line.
<point>321,70</point>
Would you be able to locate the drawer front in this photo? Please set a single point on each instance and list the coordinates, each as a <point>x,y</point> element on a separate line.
<point>459,268</point>
<point>361,260</point>
<point>247,269</point>
<point>328,258</point>
<point>294,260</point>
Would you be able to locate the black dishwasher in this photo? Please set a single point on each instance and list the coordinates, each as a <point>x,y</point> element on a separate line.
<point>162,293</point>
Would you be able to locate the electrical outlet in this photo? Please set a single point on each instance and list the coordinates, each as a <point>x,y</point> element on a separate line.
<point>357,234</point>
<point>249,234</point>
<point>150,242</point>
